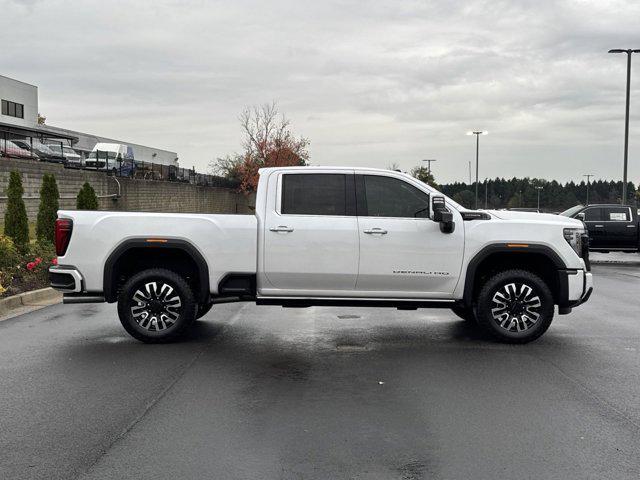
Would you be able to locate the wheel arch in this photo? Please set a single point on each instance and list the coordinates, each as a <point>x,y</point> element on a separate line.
<point>540,259</point>
<point>156,253</point>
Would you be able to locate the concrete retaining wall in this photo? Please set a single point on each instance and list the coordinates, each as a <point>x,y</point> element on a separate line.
<point>136,195</point>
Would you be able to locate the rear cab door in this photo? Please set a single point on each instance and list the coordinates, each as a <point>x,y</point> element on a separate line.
<point>621,227</point>
<point>309,234</point>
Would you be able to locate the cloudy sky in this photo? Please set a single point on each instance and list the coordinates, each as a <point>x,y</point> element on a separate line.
<point>368,82</point>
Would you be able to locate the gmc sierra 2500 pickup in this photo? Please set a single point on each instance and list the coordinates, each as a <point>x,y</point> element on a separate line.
<point>328,236</point>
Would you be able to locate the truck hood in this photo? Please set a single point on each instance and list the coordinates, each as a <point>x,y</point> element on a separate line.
<point>536,217</point>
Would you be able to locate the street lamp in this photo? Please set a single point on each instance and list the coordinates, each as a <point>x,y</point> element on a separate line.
<point>429,160</point>
<point>588,175</point>
<point>538,189</point>
<point>477,134</point>
<point>626,121</point>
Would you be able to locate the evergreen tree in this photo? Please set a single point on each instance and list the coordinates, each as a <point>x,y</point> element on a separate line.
<point>48,210</point>
<point>87,198</point>
<point>16,224</point>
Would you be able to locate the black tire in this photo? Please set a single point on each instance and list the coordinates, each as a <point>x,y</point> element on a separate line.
<point>168,312</point>
<point>464,313</point>
<point>203,309</point>
<point>508,303</point>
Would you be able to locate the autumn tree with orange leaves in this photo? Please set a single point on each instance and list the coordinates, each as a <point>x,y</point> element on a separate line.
<point>268,142</point>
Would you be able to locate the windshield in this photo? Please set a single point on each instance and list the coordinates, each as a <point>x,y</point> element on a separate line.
<point>572,211</point>
<point>103,155</point>
<point>55,148</point>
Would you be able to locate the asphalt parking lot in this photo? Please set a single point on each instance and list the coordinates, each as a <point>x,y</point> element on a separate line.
<point>324,393</point>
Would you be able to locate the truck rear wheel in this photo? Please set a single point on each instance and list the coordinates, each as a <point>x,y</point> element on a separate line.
<point>515,306</point>
<point>156,306</point>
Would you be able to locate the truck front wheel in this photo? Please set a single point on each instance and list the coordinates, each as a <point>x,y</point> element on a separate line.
<point>156,306</point>
<point>515,306</point>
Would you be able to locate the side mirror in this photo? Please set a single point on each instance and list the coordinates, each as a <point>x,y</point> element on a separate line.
<point>442,215</point>
<point>581,216</point>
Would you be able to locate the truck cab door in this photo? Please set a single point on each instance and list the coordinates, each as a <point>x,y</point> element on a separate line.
<point>621,228</point>
<point>403,253</point>
<point>310,236</point>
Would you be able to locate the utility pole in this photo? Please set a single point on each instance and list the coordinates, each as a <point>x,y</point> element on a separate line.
<point>538,189</point>
<point>626,119</point>
<point>429,160</point>
<point>589,175</point>
<point>477,134</point>
<point>485,193</point>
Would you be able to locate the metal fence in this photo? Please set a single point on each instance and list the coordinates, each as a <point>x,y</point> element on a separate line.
<point>111,163</point>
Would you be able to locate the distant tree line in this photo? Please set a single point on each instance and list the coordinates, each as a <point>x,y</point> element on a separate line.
<point>522,193</point>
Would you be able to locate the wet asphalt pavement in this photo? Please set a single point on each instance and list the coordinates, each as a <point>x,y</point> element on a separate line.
<point>324,393</point>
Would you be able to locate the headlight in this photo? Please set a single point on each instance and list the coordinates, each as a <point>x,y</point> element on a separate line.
<point>573,236</point>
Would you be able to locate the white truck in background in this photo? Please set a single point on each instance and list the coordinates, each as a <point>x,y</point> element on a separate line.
<point>328,236</point>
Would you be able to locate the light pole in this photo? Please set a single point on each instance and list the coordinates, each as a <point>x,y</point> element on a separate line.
<point>477,134</point>
<point>538,189</point>
<point>429,160</point>
<point>626,120</point>
<point>588,175</point>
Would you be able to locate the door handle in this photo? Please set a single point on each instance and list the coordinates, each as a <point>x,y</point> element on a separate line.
<point>281,228</point>
<point>631,226</point>
<point>599,226</point>
<point>373,231</point>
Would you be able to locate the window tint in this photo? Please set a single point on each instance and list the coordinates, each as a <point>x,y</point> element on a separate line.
<point>314,194</point>
<point>391,197</point>
<point>5,107</point>
<point>613,214</point>
<point>12,109</point>
<point>593,215</point>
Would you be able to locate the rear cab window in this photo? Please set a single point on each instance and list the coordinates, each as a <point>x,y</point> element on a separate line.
<point>617,214</point>
<point>327,194</point>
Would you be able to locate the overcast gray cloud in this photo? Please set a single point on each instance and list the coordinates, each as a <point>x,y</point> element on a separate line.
<point>369,83</point>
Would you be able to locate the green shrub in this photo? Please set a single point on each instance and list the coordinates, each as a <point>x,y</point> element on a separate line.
<point>87,198</point>
<point>16,224</point>
<point>9,261</point>
<point>48,210</point>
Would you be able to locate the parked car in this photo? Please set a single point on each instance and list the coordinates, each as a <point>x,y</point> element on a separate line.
<point>72,158</point>
<point>327,236</point>
<point>40,150</point>
<point>611,227</point>
<point>10,149</point>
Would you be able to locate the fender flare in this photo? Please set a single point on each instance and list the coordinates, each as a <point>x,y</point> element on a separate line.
<point>505,248</point>
<point>203,269</point>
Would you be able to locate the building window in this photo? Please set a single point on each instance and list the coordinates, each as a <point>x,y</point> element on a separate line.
<point>12,109</point>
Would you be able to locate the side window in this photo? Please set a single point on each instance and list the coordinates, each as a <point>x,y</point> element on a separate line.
<point>616,214</point>
<point>593,215</point>
<point>391,197</point>
<point>314,194</point>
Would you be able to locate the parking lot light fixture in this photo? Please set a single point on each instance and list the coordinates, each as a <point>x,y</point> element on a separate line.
<point>629,52</point>
<point>477,133</point>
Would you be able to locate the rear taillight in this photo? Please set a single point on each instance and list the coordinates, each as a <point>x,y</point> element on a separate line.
<point>64,227</point>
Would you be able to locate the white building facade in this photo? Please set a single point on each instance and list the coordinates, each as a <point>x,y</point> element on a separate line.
<point>19,121</point>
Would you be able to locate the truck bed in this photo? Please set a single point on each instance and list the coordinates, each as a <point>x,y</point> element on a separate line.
<point>227,242</point>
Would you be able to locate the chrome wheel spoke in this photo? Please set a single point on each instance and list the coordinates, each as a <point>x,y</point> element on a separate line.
<point>156,306</point>
<point>516,307</point>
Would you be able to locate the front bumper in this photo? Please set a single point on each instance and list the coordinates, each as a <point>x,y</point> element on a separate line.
<point>576,287</point>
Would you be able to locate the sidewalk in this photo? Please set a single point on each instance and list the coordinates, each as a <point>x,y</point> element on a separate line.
<point>620,258</point>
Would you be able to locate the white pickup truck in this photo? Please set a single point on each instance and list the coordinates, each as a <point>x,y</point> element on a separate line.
<point>328,236</point>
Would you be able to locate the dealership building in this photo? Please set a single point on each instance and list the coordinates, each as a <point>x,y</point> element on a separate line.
<point>19,121</point>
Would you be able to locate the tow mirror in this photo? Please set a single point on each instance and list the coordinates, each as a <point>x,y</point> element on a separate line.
<point>442,215</point>
<point>581,216</point>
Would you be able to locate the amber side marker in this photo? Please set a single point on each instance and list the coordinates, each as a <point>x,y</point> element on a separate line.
<point>517,245</point>
<point>156,240</point>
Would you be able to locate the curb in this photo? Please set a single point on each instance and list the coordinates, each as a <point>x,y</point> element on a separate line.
<point>632,263</point>
<point>34,298</point>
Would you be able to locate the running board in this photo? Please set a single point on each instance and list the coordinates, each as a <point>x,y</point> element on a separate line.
<point>354,302</point>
